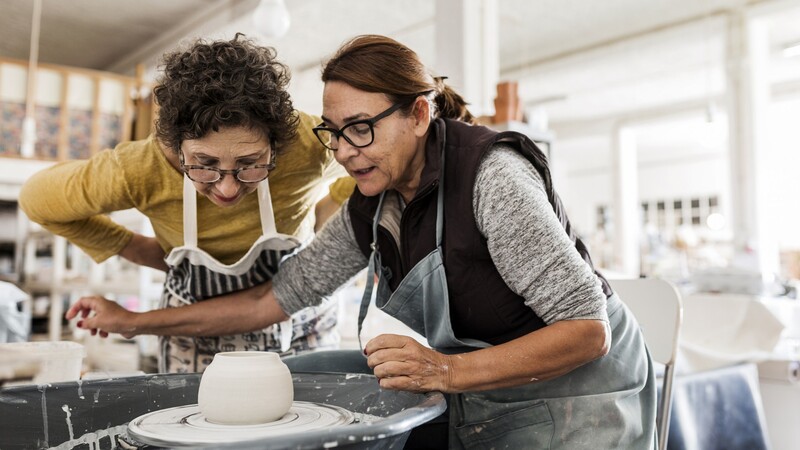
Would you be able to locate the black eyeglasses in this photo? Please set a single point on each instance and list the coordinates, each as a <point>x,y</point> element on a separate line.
<point>359,133</point>
<point>209,175</point>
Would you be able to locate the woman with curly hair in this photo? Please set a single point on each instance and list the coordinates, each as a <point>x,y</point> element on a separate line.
<point>227,130</point>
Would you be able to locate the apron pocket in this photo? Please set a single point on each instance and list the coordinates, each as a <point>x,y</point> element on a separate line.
<point>530,428</point>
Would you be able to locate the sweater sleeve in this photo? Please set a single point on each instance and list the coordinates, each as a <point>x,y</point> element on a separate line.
<point>71,199</point>
<point>528,244</point>
<point>328,262</point>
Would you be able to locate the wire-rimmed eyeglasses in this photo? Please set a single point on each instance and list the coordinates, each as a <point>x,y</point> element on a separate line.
<point>210,175</point>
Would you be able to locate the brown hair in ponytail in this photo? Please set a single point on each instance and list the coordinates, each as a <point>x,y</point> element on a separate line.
<point>374,63</point>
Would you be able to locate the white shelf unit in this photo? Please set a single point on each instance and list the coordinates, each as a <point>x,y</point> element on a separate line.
<point>55,270</point>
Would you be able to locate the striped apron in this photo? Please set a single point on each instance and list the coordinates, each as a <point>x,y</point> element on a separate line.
<point>194,276</point>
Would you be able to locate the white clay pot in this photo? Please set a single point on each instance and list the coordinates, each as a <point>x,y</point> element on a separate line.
<point>245,388</point>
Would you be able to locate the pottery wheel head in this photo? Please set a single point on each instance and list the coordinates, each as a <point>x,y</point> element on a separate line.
<point>185,425</point>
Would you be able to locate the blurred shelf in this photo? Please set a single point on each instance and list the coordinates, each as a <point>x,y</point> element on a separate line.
<point>82,286</point>
<point>55,273</point>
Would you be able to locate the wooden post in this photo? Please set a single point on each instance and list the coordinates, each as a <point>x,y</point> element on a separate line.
<point>94,143</point>
<point>145,107</point>
<point>127,114</point>
<point>63,119</point>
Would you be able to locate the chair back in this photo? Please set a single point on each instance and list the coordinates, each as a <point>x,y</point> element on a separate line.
<point>656,305</point>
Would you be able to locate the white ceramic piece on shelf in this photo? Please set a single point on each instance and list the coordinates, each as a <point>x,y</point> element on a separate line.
<point>241,388</point>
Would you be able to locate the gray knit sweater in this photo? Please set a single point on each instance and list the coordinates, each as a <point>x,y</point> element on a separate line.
<point>526,241</point>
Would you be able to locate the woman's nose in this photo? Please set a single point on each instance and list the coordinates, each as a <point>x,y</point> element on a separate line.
<point>228,185</point>
<point>345,151</point>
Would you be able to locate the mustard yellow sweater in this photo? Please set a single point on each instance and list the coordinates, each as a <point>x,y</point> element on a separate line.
<point>72,199</point>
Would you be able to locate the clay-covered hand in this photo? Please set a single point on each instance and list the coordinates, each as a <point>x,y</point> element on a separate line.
<point>102,316</point>
<point>402,363</point>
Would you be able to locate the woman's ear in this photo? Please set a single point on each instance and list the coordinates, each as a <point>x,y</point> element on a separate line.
<point>422,116</point>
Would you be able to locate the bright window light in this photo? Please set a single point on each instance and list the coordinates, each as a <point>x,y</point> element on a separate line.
<point>791,51</point>
<point>715,221</point>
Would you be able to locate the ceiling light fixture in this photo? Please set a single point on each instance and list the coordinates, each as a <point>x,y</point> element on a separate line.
<point>271,18</point>
<point>791,50</point>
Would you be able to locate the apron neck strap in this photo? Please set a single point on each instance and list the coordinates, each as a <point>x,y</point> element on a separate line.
<point>376,221</point>
<point>268,227</point>
<point>190,212</point>
<point>440,203</point>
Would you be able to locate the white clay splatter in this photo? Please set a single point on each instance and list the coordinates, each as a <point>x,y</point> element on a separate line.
<point>43,388</point>
<point>65,408</point>
<point>93,439</point>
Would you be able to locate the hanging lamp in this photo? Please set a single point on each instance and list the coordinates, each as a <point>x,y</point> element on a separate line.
<point>271,18</point>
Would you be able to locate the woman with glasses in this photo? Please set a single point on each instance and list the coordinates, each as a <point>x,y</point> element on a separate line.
<point>226,129</point>
<point>472,249</point>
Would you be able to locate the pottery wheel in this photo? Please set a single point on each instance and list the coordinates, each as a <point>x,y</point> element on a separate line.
<point>185,425</point>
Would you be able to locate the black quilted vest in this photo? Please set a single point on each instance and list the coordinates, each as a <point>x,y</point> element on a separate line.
<point>481,304</point>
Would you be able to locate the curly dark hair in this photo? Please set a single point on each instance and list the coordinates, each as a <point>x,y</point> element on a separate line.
<point>220,84</point>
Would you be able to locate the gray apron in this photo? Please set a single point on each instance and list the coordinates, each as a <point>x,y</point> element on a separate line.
<point>194,276</point>
<point>609,403</point>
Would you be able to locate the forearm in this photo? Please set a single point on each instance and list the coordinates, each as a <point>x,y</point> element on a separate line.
<point>240,312</point>
<point>332,258</point>
<point>547,353</point>
<point>144,251</point>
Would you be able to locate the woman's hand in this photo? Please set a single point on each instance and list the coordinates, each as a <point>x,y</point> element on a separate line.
<point>145,251</point>
<point>238,312</point>
<point>102,316</point>
<point>401,363</point>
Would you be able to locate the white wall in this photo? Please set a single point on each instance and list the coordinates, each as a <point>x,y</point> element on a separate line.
<point>81,92</point>
<point>306,91</point>
<point>48,88</point>
<point>112,97</point>
<point>581,175</point>
<point>677,158</point>
<point>783,161</point>
<point>12,89</point>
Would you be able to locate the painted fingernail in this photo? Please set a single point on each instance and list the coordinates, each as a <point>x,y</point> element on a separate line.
<point>80,324</point>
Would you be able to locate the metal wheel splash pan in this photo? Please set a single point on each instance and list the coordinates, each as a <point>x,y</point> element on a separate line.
<point>95,414</point>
